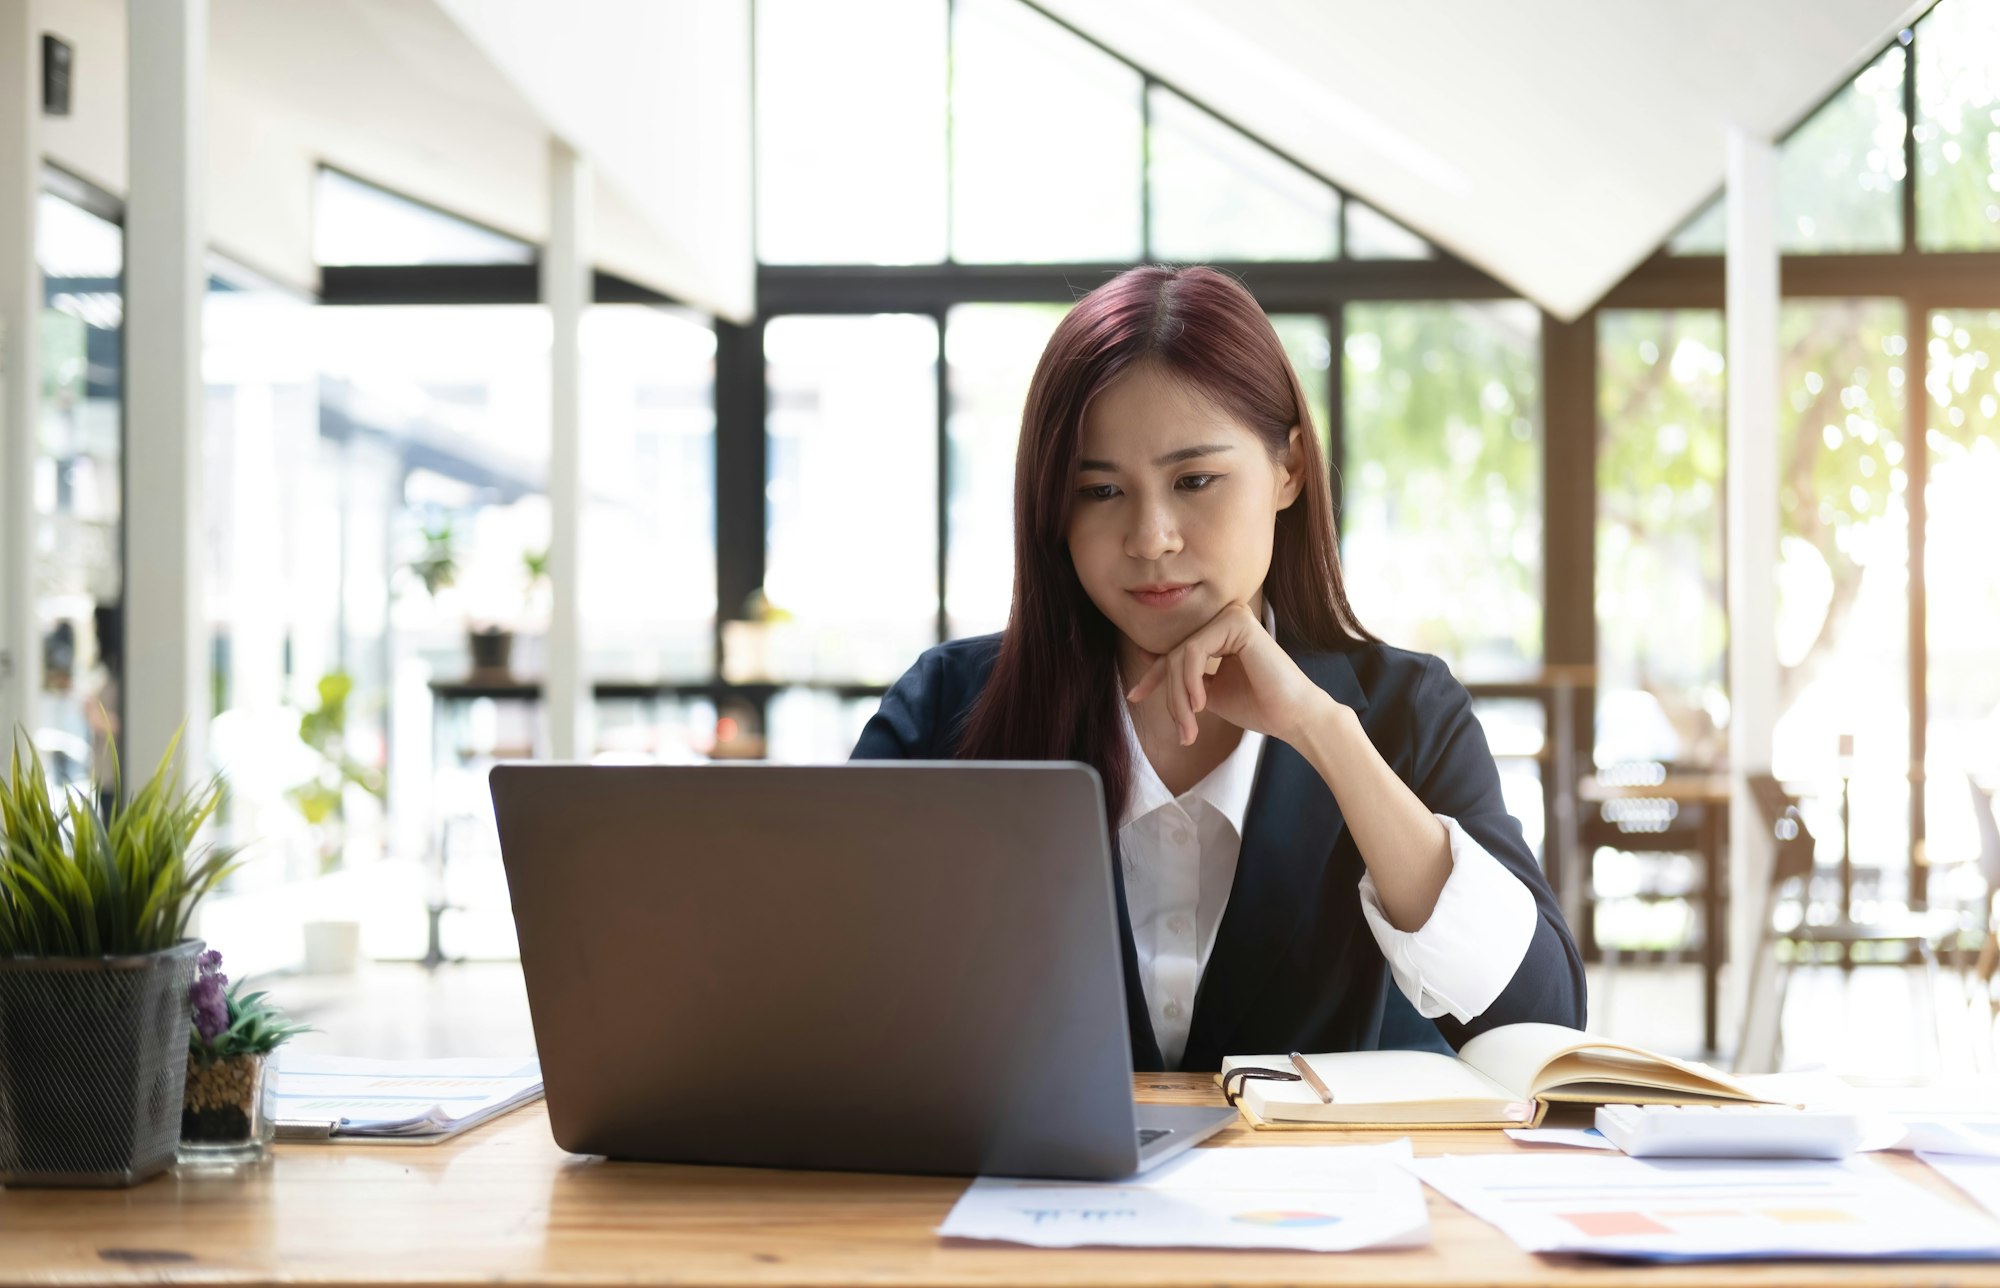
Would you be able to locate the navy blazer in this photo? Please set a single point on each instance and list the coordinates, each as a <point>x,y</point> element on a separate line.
<point>1294,966</point>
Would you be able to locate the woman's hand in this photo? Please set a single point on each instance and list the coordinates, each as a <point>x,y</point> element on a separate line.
<point>1232,664</point>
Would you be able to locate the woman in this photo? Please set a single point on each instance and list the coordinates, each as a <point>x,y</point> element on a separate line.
<point>1312,853</point>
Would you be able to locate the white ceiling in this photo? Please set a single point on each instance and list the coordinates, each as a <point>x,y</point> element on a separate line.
<point>1553,143</point>
<point>397,92</point>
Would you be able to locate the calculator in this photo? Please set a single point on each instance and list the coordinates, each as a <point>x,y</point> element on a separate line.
<point>1729,1131</point>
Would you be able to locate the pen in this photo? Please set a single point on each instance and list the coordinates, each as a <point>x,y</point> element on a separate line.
<point>1312,1079</point>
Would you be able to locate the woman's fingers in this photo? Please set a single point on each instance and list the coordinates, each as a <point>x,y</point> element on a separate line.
<point>1183,674</point>
<point>1188,694</point>
<point>1147,682</point>
<point>1194,667</point>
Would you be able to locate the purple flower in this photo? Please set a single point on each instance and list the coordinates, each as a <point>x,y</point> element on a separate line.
<point>211,1006</point>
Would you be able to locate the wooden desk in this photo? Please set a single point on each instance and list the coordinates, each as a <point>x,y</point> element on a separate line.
<point>504,1205</point>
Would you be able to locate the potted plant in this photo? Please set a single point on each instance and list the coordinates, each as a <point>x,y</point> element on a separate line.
<point>435,567</point>
<point>320,799</point>
<point>95,965</point>
<point>228,1106</point>
<point>493,643</point>
<point>436,564</point>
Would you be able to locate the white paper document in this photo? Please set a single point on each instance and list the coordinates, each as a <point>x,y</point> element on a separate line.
<point>1569,1137</point>
<point>1314,1198</point>
<point>1949,1134</point>
<point>323,1097</point>
<point>1978,1177</point>
<point>1708,1209</point>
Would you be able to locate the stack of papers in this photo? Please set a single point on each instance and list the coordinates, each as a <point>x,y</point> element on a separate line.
<point>1708,1209</point>
<point>1978,1177</point>
<point>1311,1198</point>
<point>1962,1148</point>
<point>323,1097</point>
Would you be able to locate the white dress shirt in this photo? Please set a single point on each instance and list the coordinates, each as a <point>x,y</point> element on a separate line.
<point>1179,858</point>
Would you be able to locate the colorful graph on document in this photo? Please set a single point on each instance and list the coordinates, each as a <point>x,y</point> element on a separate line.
<point>1286,1220</point>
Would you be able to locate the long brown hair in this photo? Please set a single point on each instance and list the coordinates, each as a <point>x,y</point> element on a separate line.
<point>1054,689</point>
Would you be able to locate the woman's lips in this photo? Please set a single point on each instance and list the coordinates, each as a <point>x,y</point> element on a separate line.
<point>1152,598</point>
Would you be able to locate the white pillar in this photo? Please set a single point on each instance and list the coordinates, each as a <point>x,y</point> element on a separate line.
<point>566,289</point>
<point>1752,560</point>
<point>20,363</point>
<point>166,635</point>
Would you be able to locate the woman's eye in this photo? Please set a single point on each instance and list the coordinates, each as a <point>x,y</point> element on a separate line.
<point>1101,492</point>
<point>1196,482</point>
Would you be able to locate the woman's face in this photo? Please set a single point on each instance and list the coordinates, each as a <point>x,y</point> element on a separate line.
<point>1175,509</point>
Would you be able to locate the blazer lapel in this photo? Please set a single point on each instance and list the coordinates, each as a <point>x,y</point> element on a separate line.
<point>1289,833</point>
<point>1146,1056</point>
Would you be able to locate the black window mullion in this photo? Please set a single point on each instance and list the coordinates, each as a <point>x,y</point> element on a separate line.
<point>741,465</point>
<point>943,514</point>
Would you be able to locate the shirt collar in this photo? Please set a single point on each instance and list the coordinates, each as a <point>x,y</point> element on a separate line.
<point>1226,789</point>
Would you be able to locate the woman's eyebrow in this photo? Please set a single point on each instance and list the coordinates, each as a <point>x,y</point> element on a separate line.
<point>1171,458</point>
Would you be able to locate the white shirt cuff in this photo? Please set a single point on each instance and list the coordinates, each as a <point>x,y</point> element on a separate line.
<point>1464,957</point>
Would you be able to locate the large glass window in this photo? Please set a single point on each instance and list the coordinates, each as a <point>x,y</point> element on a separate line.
<point>991,350</point>
<point>305,786</point>
<point>1217,195</point>
<point>1843,581</point>
<point>851,132</point>
<point>648,590</point>
<point>443,417</point>
<point>1047,141</point>
<point>1958,127</point>
<point>1442,531</point>
<point>1309,345</point>
<point>1840,176</point>
<point>850,577</point>
<point>79,452</point>
<point>1662,634</point>
<point>1373,235</point>
<point>1705,232</point>
<point>1962,575</point>
<point>355,222</point>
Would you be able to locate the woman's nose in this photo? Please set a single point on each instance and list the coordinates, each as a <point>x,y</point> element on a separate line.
<point>1153,533</point>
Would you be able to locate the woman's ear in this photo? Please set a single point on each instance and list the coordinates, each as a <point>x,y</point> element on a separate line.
<point>1292,471</point>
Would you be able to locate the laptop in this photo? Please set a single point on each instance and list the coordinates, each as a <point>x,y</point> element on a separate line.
<point>906,966</point>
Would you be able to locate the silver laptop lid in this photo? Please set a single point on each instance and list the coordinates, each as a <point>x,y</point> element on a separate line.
<point>903,966</point>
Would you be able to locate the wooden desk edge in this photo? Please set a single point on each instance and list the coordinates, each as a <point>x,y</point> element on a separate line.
<point>529,1215</point>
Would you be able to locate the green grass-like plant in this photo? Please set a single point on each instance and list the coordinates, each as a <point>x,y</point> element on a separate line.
<point>73,884</point>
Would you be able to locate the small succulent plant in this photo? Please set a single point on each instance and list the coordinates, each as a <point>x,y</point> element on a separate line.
<point>229,1022</point>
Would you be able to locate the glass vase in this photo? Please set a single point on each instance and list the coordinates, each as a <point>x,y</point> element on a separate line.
<point>228,1111</point>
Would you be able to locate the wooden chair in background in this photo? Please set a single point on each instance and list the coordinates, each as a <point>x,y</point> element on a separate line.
<point>1792,868</point>
<point>1984,968</point>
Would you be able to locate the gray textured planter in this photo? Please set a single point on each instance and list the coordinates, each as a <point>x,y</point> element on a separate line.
<point>93,1058</point>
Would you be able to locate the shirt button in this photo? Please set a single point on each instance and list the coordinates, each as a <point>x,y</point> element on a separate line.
<point>1180,836</point>
<point>1179,925</point>
<point>1172,1010</point>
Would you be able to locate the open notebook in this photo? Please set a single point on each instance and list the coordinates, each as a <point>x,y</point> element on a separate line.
<point>1506,1077</point>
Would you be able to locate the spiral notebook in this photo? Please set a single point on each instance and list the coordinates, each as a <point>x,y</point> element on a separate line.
<point>412,1102</point>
